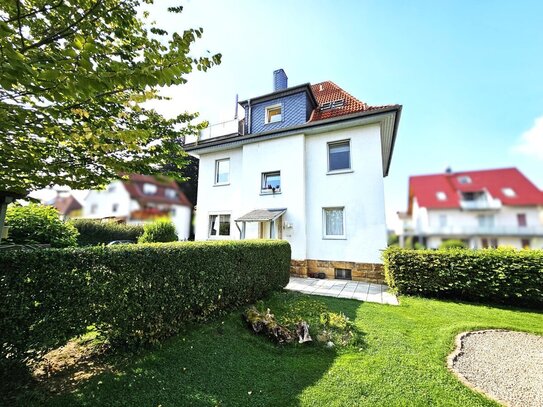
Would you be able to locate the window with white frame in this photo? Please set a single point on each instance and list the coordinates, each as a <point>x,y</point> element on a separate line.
<point>485,221</point>
<point>441,196</point>
<point>339,155</point>
<point>509,192</point>
<point>94,208</point>
<point>271,182</point>
<point>464,179</point>
<point>273,114</point>
<point>115,207</point>
<point>219,225</point>
<point>333,220</point>
<point>442,220</point>
<point>222,171</point>
<point>149,189</point>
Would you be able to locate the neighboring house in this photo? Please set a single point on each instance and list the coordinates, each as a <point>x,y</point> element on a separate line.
<point>140,199</point>
<point>68,207</point>
<point>305,165</point>
<point>487,208</point>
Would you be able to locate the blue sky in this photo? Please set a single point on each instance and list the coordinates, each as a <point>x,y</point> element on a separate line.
<point>469,74</point>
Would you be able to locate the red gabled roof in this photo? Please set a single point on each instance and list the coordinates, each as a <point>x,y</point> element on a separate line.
<point>66,204</point>
<point>425,188</point>
<point>134,186</point>
<point>328,91</point>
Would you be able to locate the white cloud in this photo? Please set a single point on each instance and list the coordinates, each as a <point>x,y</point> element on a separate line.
<point>531,141</point>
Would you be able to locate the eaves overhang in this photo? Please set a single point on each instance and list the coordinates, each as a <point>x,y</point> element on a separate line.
<point>388,118</point>
<point>306,87</point>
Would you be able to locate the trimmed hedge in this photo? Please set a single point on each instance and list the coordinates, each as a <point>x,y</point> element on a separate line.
<point>159,231</point>
<point>506,276</point>
<point>134,294</point>
<point>94,232</point>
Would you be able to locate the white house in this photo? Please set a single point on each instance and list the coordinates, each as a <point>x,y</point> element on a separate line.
<point>487,208</point>
<point>305,165</point>
<point>140,199</point>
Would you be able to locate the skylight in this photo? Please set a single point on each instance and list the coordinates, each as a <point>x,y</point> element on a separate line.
<point>464,179</point>
<point>509,192</point>
<point>333,104</point>
<point>441,196</point>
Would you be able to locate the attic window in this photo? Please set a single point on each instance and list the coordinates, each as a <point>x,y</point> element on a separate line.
<point>333,104</point>
<point>273,114</point>
<point>464,179</point>
<point>170,193</point>
<point>441,196</point>
<point>149,189</point>
<point>509,192</point>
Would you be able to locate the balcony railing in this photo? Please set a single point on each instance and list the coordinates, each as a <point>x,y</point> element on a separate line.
<point>456,230</point>
<point>217,130</point>
<point>485,204</point>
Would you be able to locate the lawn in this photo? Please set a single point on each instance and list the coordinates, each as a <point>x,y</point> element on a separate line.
<point>400,361</point>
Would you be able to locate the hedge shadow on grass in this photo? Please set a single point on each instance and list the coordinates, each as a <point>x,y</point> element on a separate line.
<point>220,363</point>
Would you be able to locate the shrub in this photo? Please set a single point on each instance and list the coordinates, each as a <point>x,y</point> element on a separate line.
<point>453,244</point>
<point>94,232</point>
<point>506,276</point>
<point>160,230</point>
<point>134,294</point>
<point>35,223</point>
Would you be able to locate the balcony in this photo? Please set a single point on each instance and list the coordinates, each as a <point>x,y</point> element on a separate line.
<point>457,230</point>
<point>481,204</point>
<point>217,130</point>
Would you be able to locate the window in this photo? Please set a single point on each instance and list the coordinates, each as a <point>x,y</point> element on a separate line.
<point>149,189</point>
<point>525,243</point>
<point>464,179</point>
<point>339,155</point>
<point>222,171</point>
<point>170,193</point>
<point>343,274</point>
<point>521,219</point>
<point>273,114</point>
<point>115,207</point>
<point>486,221</point>
<point>441,196</point>
<point>271,182</point>
<point>111,188</point>
<point>509,192</point>
<point>442,221</point>
<point>485,244</point>
<point>219,225</point>
<point>94,208</point>
<point>334,223</point>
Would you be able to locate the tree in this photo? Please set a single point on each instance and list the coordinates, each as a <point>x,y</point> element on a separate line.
<point>74,77</point>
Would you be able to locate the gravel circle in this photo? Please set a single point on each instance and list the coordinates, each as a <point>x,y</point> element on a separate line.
<point>506,366</point>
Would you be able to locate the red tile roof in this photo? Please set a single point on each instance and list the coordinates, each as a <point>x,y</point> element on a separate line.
<point>425,187</point>
<point>134,186</point>
<point>328,91</point>
<point>66,204</point>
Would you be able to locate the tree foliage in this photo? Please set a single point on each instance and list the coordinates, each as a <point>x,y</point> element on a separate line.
<point>75,75</point>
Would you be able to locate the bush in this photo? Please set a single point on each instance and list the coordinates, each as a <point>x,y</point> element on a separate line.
<point>505,276</point>
<point>94,232</point>
<point>453,244</point>
<point>134,294</point>
<point>160,230</point>
<point>36,223</point>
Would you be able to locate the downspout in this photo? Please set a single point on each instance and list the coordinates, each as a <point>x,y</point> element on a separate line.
<point>249,116</point>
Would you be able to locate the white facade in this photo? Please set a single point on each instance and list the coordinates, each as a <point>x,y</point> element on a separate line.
<point>479,228</point>
<point>116,202</point>
<point>307,188</point>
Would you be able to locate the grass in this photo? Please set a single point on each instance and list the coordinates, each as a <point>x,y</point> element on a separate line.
<point>400,363</point>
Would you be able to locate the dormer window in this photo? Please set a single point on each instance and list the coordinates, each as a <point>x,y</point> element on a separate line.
<point>464,179</point>
<point>441,196</point>
<point>170,193</point>
<point>273,114</point>
<point>509,192</point>
<point>149,189</point>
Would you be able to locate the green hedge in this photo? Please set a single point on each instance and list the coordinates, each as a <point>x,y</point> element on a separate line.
<point>134,294</point>
<point>505,276</point>
<point>159,231</point>
<point>95,232</point>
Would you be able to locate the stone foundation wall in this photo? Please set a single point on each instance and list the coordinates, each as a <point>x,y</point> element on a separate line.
<point>370,272</point>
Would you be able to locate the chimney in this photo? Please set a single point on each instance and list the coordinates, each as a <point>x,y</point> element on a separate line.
<point>280,80</point>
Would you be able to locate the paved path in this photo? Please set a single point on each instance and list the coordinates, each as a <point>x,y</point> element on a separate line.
<point>356,290</point>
